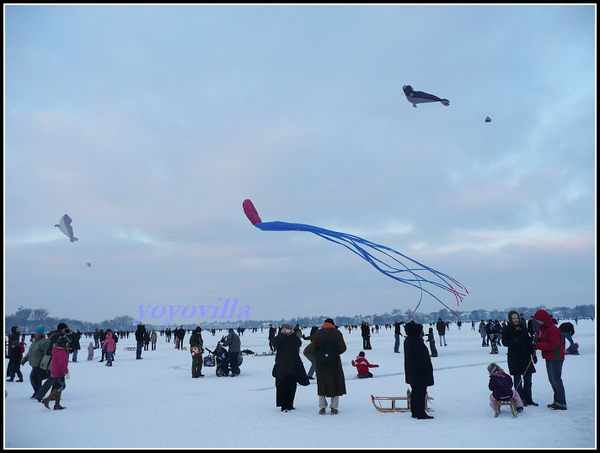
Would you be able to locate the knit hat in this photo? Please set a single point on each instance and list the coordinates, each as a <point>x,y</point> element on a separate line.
<point>361,354</point>
<point>330,321</point>
<point>62,326</point>
<point>41,330</point>
<point>493,367</point>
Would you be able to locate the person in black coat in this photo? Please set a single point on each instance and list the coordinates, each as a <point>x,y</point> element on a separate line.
<point>139,340</point>
<point>521,356</point>
<point>418,369</point>
<point>288,370</point>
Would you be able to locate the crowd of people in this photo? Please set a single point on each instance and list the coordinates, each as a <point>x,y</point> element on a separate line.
<point>48,356</point>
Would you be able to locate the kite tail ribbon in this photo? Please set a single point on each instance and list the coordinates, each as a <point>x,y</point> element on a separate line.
<point>394,267</point>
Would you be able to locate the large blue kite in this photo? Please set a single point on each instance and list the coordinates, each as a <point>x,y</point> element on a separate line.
<point>390,262</point>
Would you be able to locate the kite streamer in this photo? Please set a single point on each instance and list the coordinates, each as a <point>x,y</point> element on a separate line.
<point>388,261</point>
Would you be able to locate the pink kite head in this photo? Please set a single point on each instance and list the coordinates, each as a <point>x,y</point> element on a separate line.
<point>251,212</point>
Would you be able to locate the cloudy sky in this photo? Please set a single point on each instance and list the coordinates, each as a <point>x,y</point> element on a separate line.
<point>149,126</point>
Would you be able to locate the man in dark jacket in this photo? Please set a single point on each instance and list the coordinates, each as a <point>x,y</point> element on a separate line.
<point>196,349</point>
<point>441,328</point>
<point>418,369</point>
<point>327,345</point>
<point>139,338</point>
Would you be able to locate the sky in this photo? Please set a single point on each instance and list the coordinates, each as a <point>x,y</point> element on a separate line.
<point>232,413</point>
<point>149,125</point>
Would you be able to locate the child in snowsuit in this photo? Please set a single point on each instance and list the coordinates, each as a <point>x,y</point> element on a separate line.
<point>362,366</point>
<point>501,385</point>
<point>91,351</point>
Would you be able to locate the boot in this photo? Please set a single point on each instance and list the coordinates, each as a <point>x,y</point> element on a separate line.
<point>49,398</point>
<point>57,405</point>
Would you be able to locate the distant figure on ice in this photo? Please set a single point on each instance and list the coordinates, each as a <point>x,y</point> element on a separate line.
<point>431,341</point>
<point>397,335</point>
<point>91,351</point>
<point>196,350</point>
<point>362,366</point>
<point>365,332</point>
<point>441,328</point>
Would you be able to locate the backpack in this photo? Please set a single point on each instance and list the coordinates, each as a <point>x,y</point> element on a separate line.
<point>326,351</point>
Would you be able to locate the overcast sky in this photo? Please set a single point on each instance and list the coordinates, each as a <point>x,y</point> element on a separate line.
<point>150,125</point>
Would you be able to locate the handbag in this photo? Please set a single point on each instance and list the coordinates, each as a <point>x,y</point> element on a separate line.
<point>46,362</point>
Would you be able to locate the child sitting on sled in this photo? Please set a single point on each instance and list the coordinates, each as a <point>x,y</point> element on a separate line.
<point>362,365</point>
<point>501,385</point>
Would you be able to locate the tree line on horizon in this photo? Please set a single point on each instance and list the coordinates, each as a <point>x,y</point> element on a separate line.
<point>30,319</point>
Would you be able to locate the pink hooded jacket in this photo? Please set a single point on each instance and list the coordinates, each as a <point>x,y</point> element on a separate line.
<point>60,362</point>
<point>109,343</point>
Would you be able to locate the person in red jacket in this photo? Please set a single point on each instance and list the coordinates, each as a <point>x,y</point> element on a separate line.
<point>362,366</point>
<point>59,369</point>
<point>551,343</point>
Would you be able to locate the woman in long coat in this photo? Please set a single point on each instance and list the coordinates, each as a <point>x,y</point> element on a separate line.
<point>521,356</point>
<point>418,370</point>
<point>288,370</point>
<point>331,381</point>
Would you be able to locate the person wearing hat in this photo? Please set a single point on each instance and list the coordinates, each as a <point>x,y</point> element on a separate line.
<point>35,354</point>
<point>288,370</point>
<point>418,370</point>
<point>501,385</point>
<point>327,345</point>
<point>58,371</point>
<point>45,364</point>
<point>196,349</point>
<point>235,347</point>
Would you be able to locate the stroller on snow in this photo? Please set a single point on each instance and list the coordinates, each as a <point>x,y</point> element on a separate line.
<point>220,358</point>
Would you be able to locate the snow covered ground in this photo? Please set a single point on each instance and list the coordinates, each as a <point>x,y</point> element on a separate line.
<point>154,402</point>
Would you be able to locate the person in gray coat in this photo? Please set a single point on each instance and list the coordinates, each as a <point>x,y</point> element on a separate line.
<point>34,356</point>
<point>234,345</point>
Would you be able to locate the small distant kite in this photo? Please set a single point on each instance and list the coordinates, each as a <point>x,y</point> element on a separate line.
<point>20,307</point>
<point>488,119</point>
<point>89,264</point>
<point>394,268</point>
<point>65,227</point>
<point>420,97</point>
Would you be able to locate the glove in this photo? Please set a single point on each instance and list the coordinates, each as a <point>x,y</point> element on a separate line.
<point>534,357</point>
